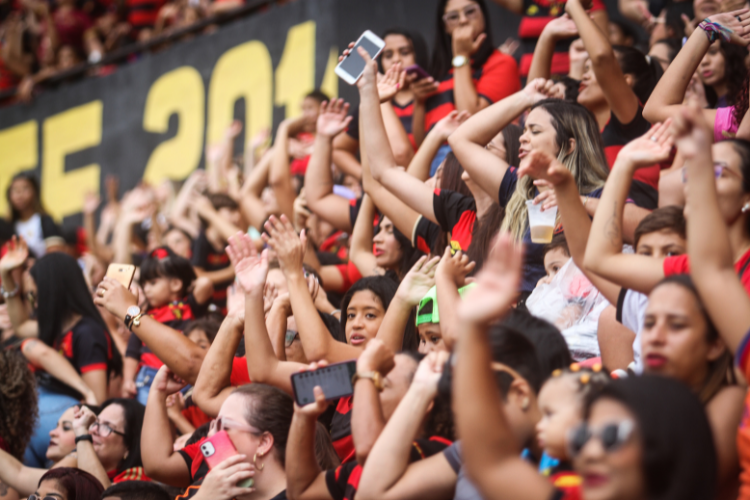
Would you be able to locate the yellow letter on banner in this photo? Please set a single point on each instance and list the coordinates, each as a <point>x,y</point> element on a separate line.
<point>19,146</point>
<point>295,75</point>
<point>330,84</point>
<point>245,72</point>
<point>65,133</point>
<point>180,91</point>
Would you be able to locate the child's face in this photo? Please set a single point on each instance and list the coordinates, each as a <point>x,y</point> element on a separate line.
<point>561,411</point>
<point>200,338</point>
<point>661,244</point>
<point>553,261</point>
<point>430,338</point>
<point>161,291</point>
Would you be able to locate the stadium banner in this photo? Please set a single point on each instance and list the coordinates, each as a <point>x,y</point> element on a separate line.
<point>151,119</point>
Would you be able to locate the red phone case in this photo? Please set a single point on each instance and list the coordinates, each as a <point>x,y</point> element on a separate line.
<point>218,448</point>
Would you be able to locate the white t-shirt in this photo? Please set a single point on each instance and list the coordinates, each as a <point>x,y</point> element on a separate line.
<point>631,312</point>
<point>31,230</point>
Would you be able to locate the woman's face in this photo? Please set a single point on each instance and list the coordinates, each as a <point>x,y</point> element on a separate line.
<point>464,13</point>
<point>21,194</point>
<point>674,336</point>
<point>660,52</point>
<point>705,8</point>
<point>578,56</point>
<point>111,449</point>
<point>247,443</point>
<point>590,94</point>
<point>538,134</point>
<point>397,49</point>
<point>561,411</point>
<point>200,338</point>
<point>385,247</point>
<point>712,68</point>
<point>179,243</point>
<point>661,244</point>
<point>430,338</point>
<point>363,317</point>
<point>62,439</point>
<point>51,488</point>
<point>616,474</point>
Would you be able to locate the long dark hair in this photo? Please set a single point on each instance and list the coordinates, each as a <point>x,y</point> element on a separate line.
<point>77,483</point>
<point>418,44</point>
<point>133,416</point>
<point>646,70</point>
<point>679,458</point>
<point>735,76</point>
<point>442,49</point>
<point>29,177</point>
<point>18,401</point>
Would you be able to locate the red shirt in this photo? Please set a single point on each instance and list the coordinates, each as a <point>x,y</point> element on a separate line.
<point>680,264</point>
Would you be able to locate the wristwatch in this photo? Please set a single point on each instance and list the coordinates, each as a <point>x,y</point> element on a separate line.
<point>130,315</point>
<point>376,377</point>
<point>459,61</point>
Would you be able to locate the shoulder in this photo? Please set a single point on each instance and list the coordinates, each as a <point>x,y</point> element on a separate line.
<point>498,60</point>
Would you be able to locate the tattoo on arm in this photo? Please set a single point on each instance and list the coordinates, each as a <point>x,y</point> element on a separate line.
<point>613,231</point>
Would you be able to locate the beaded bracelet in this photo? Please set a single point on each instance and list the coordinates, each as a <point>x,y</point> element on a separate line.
<point>715,30</point>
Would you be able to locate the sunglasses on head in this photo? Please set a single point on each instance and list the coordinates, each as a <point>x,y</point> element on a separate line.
<point>611,436</point>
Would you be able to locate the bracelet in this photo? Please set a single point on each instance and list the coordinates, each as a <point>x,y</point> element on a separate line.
<point>335,312</point>
<point>9,295</point>
<point>136,321</point>
<point>84,437</point>
<point>715,30</point>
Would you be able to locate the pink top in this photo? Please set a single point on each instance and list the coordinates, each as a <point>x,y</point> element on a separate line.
<point>725,127</point>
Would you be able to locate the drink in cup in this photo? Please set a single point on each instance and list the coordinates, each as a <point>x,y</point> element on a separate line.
<point>542,224</point>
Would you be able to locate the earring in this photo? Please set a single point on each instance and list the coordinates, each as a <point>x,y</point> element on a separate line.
<point>746,208</point>
<point>525,404</point>
<point>257,467</point>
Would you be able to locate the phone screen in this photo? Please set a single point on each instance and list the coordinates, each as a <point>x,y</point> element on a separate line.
<point>354,64</point>
<point>335,380</point>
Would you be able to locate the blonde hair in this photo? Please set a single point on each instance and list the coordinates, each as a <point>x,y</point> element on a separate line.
<point>586,161</point>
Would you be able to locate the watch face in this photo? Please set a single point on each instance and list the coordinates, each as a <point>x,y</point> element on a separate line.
<point>133,310</point>
<point>459,61</point>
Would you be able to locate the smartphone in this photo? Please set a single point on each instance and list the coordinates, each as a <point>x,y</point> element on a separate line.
<point>122,273</point>
<point>335,380</point>
<point>218,448</point>
<point>352,67</point>
<point>416,69</point>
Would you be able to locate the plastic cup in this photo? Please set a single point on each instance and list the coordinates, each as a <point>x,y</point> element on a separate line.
<point>542,224</point>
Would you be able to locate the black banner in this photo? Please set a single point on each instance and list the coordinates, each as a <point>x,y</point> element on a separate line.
<point>151,119</point>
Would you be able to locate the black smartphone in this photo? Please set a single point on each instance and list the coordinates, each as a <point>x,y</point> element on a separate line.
<point>335,380</point>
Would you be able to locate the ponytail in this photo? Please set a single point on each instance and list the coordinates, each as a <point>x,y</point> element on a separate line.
<point>645,70</point>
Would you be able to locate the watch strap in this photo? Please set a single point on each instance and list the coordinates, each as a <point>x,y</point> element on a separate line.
<point>376,377</point>
<point>84,437</point>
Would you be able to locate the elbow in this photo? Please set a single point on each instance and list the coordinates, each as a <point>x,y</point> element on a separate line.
<point>650,112</point>
<point>590,263</point>
<point>603,57</point>
<point>402,155</point>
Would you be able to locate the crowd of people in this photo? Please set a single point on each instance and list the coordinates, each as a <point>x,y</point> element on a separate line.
<point>602,354</point>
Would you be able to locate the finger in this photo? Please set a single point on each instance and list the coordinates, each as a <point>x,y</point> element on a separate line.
<point>230,462</point>
<point>470,267</point>
<point>303,238</point>
<point>432,263</point>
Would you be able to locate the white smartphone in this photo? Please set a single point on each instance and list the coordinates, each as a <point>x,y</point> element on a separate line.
<point>352,67</point>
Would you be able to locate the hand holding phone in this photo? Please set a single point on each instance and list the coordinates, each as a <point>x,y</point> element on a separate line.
<point>122,273</point>
<point>335,380</point>
<point>219,448</point>
<point>350,69</point>
<point>416,69</point>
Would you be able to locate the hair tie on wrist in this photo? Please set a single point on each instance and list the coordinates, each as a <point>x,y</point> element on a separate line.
<point>715,30</point>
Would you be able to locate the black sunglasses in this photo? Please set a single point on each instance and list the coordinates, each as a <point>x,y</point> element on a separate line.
<point>611,436</point>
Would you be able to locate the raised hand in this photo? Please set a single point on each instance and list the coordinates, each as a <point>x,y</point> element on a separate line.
<point>418,281</point>
<point>90,202</point>
<point>561,28</point>
<point>463,40</point>
<point>221,481</point>
<point>738,22</point>
<point>429,371</point>
<point>538,89</point>
<point>82,420</point>
<point>653,147</point>
<point>422,88</point>
<point>15,257</point>
<point>541,165</point>
<point>450,123</point>
<point>496,285</point>
<point>390,83</point>
<point>370,74</point>
<point>456,267</point>
<point>333,118</point>
<point>167,382</point>
<point>690,131</point>
<point>376,357</point>
<point>115,298</point>
<point>289,247</point>
<point>250,269</point>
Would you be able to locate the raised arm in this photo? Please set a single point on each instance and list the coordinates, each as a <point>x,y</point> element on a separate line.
<point>622,100</point>
<point>42,356</point>
<point>575,220</point>
<point>360,246</point>
<point>279,176</point>
<point>469,141</point>
<point>558,29</point>
<point>604,249</point>
<point>451,274</point>
<point>251,206</point>
<point>213,383</point>
<point>87,458</point>
<point>387,473</point>
<point>321,200</point>
<point>667,97</point>
<point>10,274</point>
<point>491,452</point>
<point>179,215</point>
<point>160,461</point>
<point>21,478</point>
<point>422,161</point>
<point>206,210</point>
<point>375,145</point>
<point>709,248</point>
<point>262,364</point>
<point>317,341</point>
<point>179,353</point>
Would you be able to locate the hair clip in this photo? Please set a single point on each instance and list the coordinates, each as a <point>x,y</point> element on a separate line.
<point>160,253</point>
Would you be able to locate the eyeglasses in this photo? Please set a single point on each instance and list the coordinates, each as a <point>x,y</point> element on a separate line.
<point>453,17</point>
<point>104,430</point>
<point>223,423</point>
<point>34,496</point>
<point>611,436</point>
<point>290,337</point>
<point>719,168</point>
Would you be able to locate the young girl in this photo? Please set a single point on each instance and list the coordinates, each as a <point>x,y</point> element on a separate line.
<point>166,279</point>
<point>27,215</point>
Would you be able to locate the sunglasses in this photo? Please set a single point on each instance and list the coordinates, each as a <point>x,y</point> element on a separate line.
<point>34,496</point>
<point>719,168</point>
<point>611,436</point>
<point>290,337</point>
<point>454,17</point>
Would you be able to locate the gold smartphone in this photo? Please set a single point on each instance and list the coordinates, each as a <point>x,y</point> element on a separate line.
<point>122,273</point>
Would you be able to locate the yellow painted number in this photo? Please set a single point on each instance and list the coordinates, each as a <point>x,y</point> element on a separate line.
<point>19,152</point>
<point>295,75</point>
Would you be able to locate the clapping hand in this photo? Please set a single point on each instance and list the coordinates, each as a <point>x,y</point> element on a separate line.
<point>653,147</point>
<point>289,247</point>
<point>456,267</point>
<point>333,118</point>
<point>418,281</point>
<point>249,268</point>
